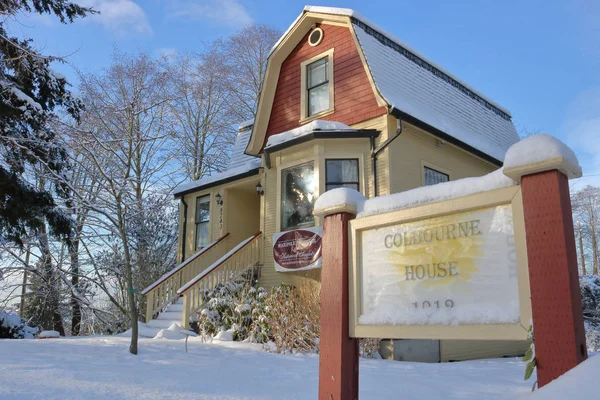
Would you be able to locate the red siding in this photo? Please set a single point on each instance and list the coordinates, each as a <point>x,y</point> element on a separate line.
<point>354,98</point>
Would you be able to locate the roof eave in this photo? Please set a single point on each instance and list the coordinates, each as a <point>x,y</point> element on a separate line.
<point>219,182</point>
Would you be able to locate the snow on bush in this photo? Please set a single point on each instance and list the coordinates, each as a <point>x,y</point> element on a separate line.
<point>235,307</point>
<point>14,327</point>
<point>590,299</point>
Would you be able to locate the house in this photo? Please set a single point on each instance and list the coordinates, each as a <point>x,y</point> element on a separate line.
<point>344,104</point>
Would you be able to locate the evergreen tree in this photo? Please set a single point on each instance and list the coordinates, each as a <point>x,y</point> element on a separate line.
<point>29,94</point>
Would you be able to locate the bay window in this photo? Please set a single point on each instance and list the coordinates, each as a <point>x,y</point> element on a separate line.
<point>341,173</point>
<point>297,196</point>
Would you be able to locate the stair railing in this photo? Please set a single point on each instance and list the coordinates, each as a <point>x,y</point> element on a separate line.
<point>230,267</point>
<point>163,292</point>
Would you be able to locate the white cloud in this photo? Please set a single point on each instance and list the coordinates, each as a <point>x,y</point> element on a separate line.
<point>221,12</point>
<point>120,17</point>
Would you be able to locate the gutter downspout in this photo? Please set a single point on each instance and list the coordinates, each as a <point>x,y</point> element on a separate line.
<point>183,235</point>
<point>375,152</point>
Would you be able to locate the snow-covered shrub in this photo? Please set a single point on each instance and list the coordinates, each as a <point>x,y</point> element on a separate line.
<point>235,306</point>
<point>590,299</point>
<point>293,316</point>
<point>14,327</point>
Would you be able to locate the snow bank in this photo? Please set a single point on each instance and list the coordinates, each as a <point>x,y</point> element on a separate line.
<point>316,125</point>
<point>411,198</point>
<point>539,148</point>
<point>225,336</point>
<point>49,335</point>
<point>580,383</point>
<point>173,332</point>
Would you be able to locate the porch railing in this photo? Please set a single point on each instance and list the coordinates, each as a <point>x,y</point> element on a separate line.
<point>231,266</point>
<point>163,292</point>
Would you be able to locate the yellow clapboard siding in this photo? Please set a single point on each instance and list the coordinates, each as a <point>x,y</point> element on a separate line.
<point>415,148</point>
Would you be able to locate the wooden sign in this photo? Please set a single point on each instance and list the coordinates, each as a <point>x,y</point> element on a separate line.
<point>449,270</point>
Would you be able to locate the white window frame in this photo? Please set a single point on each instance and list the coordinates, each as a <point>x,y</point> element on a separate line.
<point>426,164</point>
<point>304,117</point>
<point>208,223</point>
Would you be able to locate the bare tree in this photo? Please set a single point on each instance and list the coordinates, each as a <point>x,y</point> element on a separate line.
<point>202,112</point>
<point>247,52</point>
<point>586,209</point>
<point>125,135</point>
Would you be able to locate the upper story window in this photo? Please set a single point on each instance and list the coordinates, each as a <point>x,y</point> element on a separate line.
<point>297,196</point>
<point>432,176</point>
<point>317,86</point>
<point>341,173</point>
<point>202,219</point>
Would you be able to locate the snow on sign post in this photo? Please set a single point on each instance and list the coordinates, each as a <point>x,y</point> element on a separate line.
<point>449,270</point>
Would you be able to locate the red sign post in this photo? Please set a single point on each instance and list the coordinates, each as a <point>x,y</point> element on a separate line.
<point>338,358</point>
<point>559,333</point>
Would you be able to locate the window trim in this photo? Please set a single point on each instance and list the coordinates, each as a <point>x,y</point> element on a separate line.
<point>436,168</point>
<point>196,222</point>
<point>344,182</point>
<point>304,117</point>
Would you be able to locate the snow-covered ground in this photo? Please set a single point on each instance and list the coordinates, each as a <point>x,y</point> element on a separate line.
<point>101,368</point>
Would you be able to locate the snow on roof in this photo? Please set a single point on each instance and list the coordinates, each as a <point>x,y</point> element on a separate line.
<point>421,90</point>
<point>228,173</point>
<point>417,86</point>
<point>246,124</point>
<point>238,155</point>
<point>316,125</point>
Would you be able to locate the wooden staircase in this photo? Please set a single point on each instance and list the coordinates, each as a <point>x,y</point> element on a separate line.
<point>178,294</point>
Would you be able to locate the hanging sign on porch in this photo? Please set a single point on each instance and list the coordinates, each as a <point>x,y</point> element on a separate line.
<point>297,250</point>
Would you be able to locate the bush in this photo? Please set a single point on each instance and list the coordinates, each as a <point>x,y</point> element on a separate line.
<point>237,307</point>
<point>14,327</point>
<point>590,300</point>
<point>293,317</point>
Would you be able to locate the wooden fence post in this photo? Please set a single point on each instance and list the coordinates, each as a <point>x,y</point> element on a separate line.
<point>338,356</point>
<point>559,334</point>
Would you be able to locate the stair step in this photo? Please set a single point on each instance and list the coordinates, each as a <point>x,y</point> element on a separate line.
<point>175,307</point>
<point>162,323</point>
<point>170,315</point>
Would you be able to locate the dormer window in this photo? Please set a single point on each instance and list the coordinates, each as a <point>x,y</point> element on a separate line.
<point>317,86</point>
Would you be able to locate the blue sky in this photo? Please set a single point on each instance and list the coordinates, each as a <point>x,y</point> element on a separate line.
<point>540,59</point>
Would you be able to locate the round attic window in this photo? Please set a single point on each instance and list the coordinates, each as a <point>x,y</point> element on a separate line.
<point>316,37</point>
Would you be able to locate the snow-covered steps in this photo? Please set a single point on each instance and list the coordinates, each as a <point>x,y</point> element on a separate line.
<point>172,315</point>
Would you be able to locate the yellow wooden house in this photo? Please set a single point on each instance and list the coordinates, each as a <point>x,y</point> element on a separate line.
<point>343,104</point>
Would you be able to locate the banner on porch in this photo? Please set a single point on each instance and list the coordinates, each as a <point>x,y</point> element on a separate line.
<point>297,250</point>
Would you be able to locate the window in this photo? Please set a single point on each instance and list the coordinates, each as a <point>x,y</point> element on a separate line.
<point>202,218</point>
<point>317,86</point>
<point>341,173</point>
<point>432,177</point>
<point>297,196</point>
